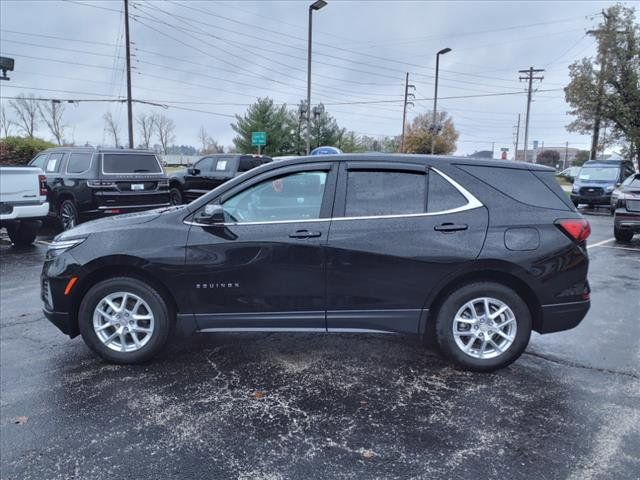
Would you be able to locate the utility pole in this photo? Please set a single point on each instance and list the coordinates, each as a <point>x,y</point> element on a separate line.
<point>404,110</point>
<point>493,148</point>
<point>128,54</point>
<point>530,78</point>
<point>515,155</point>
<point>566,155</point>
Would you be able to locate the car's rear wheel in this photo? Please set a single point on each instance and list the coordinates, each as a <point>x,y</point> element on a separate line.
<point>124,320</point>
<point>68,214</point>
<point>622,235</point>
<point>483,326</point>
<point>175,196</point>
<point>23,233</point>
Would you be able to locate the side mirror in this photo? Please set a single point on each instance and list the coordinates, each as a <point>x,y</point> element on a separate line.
<point>194,171</point>
<point>210,215</point>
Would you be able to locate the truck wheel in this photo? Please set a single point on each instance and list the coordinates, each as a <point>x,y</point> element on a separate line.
<point>23,233</point>
<point>483,326</point>
<point>622,235</point>
<point>68,214</point>
<point>175,196</point>
<point>124,320</point>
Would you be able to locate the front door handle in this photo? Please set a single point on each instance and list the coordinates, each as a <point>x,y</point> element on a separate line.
<point>451,227</point>
<point>304,234</point>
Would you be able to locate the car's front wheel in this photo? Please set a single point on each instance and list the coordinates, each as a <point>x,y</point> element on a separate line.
<point>175,196</point>
<point>483,326</point>
<point>124,320</point>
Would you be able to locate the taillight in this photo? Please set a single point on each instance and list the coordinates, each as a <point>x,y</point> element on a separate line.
<point>42,179</point>
<point>577,229</point>
<point>101,184</point>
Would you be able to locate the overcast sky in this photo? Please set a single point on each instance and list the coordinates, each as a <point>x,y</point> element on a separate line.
<point>207,60</point>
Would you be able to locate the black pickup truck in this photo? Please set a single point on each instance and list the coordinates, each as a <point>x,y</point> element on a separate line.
<point>88,182</point>
<point>210,172</point>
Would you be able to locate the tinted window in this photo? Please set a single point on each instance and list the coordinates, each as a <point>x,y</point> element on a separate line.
<point>297,196</point>
<point>247,163</point>
<point>53,163</point>
<point>204,165</point>
<point>79,162</point>
<point>520,184</point>
<point>442,195</point>
<point>380,192</point>
<point>39,161</point>
<point>130,163</point>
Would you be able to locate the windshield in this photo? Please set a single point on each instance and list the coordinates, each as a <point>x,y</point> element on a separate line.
<point>130,163</point>
<point>599,173</point>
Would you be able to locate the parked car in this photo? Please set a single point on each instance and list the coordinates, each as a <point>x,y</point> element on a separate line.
<point>326,150</point>
<point>23,203</point>
<point>626,220</point>
<point>87,182</point>
<point>570,173</point>
<point>210,172</point>
<point>598,179</point>
<point>473,254</point>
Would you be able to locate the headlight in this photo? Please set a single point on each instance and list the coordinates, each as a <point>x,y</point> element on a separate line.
<point>575,189</point>
<point>610,188</point>
<point>59,247</point>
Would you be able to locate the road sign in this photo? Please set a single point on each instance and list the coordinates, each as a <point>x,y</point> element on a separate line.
<point>504,149</point>
<point>535,144</point>
<point>258,138</point>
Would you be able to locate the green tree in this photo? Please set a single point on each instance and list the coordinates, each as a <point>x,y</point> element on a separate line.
<point>324,129</point>
<point>418,135</point>
<point>609,85</point>
<point>581,157</point>
<point>265,116</point>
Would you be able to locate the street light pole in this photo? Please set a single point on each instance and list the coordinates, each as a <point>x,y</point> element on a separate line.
<point>317,5</point>
<point>435,98</point>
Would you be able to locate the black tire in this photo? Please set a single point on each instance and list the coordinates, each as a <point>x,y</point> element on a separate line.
<point>175,196</point>
<point>456,300</point>
<point>575,203</point>
<point>23,233</point>
<point>163,320</point>
<point>622,235</point>
<point>68,214</point>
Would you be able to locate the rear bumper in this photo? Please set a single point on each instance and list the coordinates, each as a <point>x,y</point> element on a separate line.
<point>625,220</point>
<point>26,212</point>
<point>562,316</point>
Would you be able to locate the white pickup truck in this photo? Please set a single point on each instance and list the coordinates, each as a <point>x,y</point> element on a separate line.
<point>23,202</point>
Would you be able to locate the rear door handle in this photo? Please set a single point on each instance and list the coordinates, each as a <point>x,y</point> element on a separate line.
<point>451,227</point>
<point>304,234</point>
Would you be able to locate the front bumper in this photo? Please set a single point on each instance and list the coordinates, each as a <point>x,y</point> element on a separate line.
<point>562,316</point>
<point>60,320</point>
<point>592,199</point>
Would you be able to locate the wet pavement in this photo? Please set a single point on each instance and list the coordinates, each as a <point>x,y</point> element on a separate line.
<point>303,406</point>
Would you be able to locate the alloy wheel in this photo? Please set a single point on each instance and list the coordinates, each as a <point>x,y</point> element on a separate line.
<point>123,322</point>
<point>484,328</point>
<point>68,214</point>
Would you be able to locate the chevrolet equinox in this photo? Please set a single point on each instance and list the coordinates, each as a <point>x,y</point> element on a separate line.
<point>470,255</point>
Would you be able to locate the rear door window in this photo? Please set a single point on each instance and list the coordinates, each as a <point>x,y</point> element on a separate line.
<point>79,162</point>
<point>442,195</point>
<point>385,192</point>
<point>204,165</point>
<point>130,163</point>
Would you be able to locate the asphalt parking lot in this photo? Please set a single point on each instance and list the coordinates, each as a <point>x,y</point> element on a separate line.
<point>279,406</point>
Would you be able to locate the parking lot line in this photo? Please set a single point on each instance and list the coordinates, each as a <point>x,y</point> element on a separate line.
<point>622,248</point>
<point>601,243</point>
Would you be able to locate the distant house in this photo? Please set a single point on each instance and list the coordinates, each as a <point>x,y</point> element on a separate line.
<point>562,151</point>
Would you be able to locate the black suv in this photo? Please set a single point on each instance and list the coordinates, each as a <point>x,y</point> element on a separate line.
<point>87,182</point>
<point>626,222</point>
<point>210,172</point>
<point>472,254</point>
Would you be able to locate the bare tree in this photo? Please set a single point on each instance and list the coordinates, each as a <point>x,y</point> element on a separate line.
<point>203,136</point>
<point>26,109</point>
<point>51,114</point>
<point>146,126</point>
<point>5,122</point>
<point>165,129</point>
<point>111,126</point>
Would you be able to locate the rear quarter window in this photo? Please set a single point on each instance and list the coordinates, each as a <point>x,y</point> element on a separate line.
<point>442,196</point>
<point>521,185</point>
<point>130,163</point>
<point>79,162</point>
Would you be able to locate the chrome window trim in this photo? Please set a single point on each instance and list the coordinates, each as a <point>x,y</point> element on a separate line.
<point>472,203</point>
